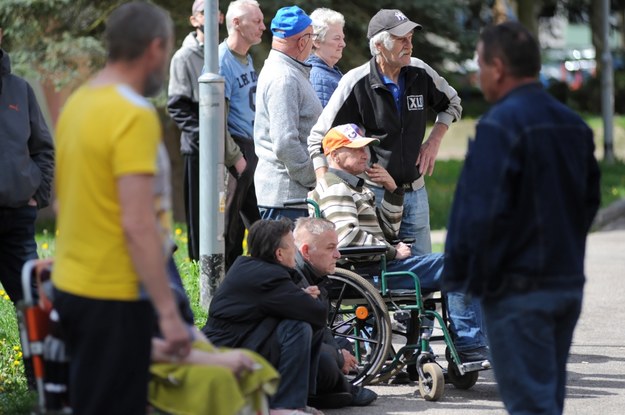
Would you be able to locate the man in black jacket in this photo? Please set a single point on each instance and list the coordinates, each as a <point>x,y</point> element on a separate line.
<point>389,98</point>
<point>259,307</point>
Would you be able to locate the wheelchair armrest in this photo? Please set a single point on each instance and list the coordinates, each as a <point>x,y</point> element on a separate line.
<point>294,202</point>
<point>405,240</point>
<point>358,251</point>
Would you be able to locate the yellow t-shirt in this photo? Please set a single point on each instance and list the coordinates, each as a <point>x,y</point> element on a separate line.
<point>103,133</point>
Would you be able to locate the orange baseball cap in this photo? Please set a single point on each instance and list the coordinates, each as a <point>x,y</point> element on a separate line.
<point>346,135</point>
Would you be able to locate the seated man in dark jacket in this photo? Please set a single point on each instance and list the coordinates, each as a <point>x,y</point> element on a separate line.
<point>317,245</point>
<point>259,307</point>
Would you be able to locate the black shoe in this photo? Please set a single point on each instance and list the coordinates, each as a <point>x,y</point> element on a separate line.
<point>475,355</point>
<point>330,400</point>
<point>362,396</point>
<point>401,378</point>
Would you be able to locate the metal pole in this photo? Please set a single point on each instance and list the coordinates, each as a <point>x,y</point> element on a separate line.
<point>607,87</point>
<point>212,197</point>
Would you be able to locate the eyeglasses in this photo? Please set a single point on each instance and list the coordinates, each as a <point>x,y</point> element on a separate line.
<point>311,35</point>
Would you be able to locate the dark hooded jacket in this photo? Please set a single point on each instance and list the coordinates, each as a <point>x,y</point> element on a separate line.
<point>26,147</point>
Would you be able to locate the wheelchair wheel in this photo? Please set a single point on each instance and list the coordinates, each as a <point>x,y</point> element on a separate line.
<point>358,313</point>
<point>432,387</point>
<point>465,381</point>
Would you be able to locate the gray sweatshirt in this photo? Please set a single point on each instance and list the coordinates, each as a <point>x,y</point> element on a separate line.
<point>26,148</point>
<point>286,109</point>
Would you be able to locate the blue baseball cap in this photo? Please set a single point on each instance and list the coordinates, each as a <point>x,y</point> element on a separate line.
<point>289,21</point>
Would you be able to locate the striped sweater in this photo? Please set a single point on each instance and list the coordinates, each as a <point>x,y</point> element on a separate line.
<point>344,201</point>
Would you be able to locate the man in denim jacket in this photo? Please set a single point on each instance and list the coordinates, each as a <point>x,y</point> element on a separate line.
<point>525,201</point>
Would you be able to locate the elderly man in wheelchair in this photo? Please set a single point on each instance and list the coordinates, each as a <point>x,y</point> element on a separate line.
<point>344,199</point>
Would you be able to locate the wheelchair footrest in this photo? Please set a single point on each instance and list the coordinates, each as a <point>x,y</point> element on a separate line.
<point>474,366</point>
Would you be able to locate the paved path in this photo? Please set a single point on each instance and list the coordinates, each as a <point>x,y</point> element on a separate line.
<point>596,371</point>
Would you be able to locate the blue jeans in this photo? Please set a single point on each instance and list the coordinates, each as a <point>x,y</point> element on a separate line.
<point>299,360</point>
<point>465,316</point>
<point>530,336</point>
<point>279,213</point>
<point>17,245</point>
<point>415,221</point>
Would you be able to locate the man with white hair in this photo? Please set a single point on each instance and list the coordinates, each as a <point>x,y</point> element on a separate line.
<point>388,97</point>
<point>244,21</point>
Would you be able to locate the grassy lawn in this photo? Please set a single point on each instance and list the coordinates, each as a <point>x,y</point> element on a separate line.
<point>14,397</point>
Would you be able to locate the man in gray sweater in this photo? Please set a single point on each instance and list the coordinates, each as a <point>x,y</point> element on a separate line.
<point>286,109</point>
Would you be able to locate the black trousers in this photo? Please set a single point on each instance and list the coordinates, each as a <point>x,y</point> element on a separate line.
<point>192,203</point>
<point>109,344</point>
<point>241,205</point>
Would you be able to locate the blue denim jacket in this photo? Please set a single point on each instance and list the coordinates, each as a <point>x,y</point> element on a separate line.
<point>525,200</point>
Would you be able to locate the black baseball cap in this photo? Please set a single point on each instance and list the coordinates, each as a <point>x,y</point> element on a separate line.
<point>393,21</point>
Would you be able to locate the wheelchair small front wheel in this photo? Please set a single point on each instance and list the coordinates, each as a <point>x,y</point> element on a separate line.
<point>432,385</point>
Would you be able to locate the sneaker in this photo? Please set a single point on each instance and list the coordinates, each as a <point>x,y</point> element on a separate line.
<point>475,355</point>
<point>362,396</point>
<point>330,400</point>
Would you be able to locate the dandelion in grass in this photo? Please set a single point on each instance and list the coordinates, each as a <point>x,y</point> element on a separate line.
<point>44,246</point>
<point>178,231</point>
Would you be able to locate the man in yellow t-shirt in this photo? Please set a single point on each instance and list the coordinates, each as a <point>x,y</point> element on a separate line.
<point>110,256</point>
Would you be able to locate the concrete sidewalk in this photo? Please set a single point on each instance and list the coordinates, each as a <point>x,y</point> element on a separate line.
<point>596,370</point>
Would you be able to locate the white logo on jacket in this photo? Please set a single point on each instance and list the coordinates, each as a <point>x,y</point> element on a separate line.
<point>415,102</point>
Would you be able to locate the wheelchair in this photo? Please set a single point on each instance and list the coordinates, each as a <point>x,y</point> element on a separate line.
<point>40,338</point>
<point>360,313</point>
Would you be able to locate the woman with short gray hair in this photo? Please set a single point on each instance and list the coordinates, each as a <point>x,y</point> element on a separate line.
<point>328,45</point>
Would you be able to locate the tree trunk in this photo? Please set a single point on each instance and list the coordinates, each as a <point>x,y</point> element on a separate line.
<point>527,12</point>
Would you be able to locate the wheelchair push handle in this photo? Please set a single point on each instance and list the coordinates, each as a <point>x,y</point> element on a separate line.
<point>295,202</point>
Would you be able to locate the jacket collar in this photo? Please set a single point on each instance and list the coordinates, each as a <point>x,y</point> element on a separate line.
<point>294,63</point>
<point>317,62</point>
<point>353,181</point>
<point>5,66</point>
<point>5,63</point>
<point>306,271</point>
<point>375,80</point>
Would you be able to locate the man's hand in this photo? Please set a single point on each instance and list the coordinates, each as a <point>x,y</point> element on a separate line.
<point>175,334</point>
<point>350,362</point>
<point>403,251</point>
<point>429,149</point>
<point>380,175</point>
<point>236,360</point>
<point>240,165</point>
<point>313,291</point>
